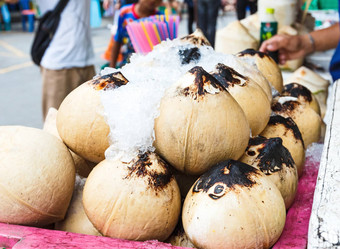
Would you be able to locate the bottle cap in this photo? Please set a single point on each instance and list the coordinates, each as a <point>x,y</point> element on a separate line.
<point>270,10</point>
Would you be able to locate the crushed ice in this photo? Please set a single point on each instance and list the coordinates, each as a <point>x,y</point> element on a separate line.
<point>130,110</point>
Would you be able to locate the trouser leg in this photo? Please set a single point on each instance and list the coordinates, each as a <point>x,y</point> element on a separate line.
<point>57,84</point>
<point>241,6</point>
<point>212,11</point>
<point>190,19</point>
<point>253,7</point>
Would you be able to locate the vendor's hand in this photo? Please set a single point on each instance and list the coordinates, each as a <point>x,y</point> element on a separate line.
<point>289,47</point>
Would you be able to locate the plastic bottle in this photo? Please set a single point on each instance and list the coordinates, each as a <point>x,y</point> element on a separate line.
<point>268,29</point>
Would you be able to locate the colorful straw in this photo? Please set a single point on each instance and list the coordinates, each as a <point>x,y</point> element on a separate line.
<point>148,32</point>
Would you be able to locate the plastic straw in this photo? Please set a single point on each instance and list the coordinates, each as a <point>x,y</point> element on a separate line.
<point>134,40</point>
<point>147,32</point>
<point>146,35</point>
<point>156,32</point>
<point>141,38</point>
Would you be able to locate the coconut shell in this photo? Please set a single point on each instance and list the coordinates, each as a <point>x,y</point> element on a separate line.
<point>275,161</point>
<point>315,83</point>
<point>234,38</point>
<point>308,121</point>
<point>179,237</point>
<point>80,120</point>
<point>248,94</point>
<point>37,177</point>
<point>83,167</point>
<point>233,205</point>
<point>139,200</point>
<point>303,94</point>
<point>289,132</point>
<point>249,70</point>
<point>267,66</point>
<point>76,220</point>
<point>199,124</point>
<point>197,38</point>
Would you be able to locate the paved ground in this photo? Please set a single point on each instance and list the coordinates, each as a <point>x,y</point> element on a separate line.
<point>20,82</point>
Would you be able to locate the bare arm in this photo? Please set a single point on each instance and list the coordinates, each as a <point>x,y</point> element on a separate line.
<point>293,47</point>
<point>115,52</point>
<point>326,38</point>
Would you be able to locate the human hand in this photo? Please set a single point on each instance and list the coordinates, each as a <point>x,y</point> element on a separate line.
<point>289,47</point>
<point>106,4</point>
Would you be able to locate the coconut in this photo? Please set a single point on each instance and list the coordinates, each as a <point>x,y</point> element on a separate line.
<point>252,24</point>
<point>83,167</point>
<point>303,95</point>
<point>246,68</point>
<point>200,124</point>
<point>139,200</point>
<point>248,94</point>
<point>234,38</point>
<point>275,161</point>
<point>288,131</point>
<point>308,121</point>
<point>80,120</point>
<point>179,237</point>
<point>37,176</point>
<point>76,220</point>
<point>266,65</point>
<point>233,205</point>
<point>197,38</point>
<point>314,82</point>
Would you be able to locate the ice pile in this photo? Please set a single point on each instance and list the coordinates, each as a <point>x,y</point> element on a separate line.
<point>130,110</point>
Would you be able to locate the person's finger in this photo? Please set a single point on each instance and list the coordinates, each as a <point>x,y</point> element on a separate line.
<point>275,43</point>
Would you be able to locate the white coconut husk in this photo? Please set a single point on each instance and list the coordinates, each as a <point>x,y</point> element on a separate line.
<point>83,167</point>
<point>234,38</point>
<point>234,205</point>
<point>308,121</point>
<point>266,65</point>
<point>80,119</point>
<point>37,177</point>
<point>199,124</point>
<point>248,94</point>
<point>276,162</point>
<point>76,220</point>
<point>139,200</point>
<point>288,131</point>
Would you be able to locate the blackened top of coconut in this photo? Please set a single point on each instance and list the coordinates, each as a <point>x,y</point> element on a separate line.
<point>297,90</point>
<point>271,154</point>
<point>188,55</point>
<point>225,176</point>
<point>288,123</point>
<point>196,40</point>
<point>109,81</point>
<point>228,77</point>
<point>251,52</point>
<point>202,79</point>
<point>142,168</point>
<point>286,107</point>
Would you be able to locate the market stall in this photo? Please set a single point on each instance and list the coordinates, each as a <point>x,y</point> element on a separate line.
<point>183,147</point>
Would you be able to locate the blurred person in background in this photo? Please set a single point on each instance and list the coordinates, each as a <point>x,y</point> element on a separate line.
<point>207,13</point>
<point>191,14</point>
<point>116,5</point>
<point>242,5</point>
<point>69,60</point>
<point>122,47</point>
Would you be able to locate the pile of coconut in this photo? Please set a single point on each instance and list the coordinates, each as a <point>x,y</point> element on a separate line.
<point>183,145</point>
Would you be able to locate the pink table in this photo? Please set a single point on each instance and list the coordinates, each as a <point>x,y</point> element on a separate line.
<point>294,235</point>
